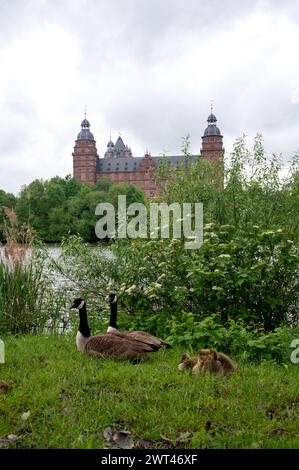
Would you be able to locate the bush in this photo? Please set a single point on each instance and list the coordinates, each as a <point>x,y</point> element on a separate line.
<point>249,275</point>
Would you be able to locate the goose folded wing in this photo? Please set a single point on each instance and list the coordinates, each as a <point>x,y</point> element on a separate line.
<point>116,346</point>
<point>146,338</point>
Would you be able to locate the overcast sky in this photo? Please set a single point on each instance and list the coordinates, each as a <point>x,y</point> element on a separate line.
<point>148,68</point>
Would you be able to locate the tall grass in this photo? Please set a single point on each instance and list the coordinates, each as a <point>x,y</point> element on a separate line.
<point>26,298</point>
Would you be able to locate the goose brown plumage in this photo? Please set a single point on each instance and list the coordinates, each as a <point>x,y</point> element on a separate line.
<point>110,344</point>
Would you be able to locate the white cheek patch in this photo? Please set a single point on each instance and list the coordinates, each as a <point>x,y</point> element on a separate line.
<point>181,366</point>
<point>81,305</point>
<point>115,300</point>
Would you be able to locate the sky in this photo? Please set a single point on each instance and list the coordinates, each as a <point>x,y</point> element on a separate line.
<point>147,69</point>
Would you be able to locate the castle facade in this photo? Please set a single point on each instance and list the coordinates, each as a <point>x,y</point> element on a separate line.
<point>119,164</point>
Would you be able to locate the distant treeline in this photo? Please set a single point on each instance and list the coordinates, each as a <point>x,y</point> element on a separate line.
<point>62,206</point>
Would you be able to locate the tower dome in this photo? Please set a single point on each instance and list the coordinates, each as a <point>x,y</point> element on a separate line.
<point>85,133</point>
<point>212,129</point>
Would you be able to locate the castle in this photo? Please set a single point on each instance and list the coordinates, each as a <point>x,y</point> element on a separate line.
<point>119,164</point>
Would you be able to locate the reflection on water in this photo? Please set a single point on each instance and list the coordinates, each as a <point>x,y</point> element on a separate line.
<point>59,282</point>
<point>58,279</point>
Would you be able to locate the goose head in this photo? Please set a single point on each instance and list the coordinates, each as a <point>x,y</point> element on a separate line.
<point>77,303</point>
<point>111,298</point>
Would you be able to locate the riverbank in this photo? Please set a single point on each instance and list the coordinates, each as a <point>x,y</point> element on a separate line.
<point>55,397</point>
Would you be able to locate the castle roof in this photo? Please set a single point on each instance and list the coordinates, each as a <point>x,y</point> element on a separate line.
<point>131,164</point>
<point>212,130</point>
<point>119,145</point>
<point>117,150</point>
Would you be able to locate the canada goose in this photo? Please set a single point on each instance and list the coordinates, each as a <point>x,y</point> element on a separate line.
<point>137,335</point>
<point>110,344</point>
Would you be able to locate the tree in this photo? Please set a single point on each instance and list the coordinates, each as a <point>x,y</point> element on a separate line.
<point>6,200</point>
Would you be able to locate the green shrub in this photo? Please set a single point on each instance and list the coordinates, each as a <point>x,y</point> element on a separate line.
<point>249,275</point>
<point>237,339</point>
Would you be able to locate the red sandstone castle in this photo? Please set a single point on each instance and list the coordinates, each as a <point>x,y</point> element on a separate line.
<point>121,166</point>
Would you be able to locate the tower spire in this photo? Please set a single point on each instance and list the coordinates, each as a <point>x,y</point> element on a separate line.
<point>85,112</point>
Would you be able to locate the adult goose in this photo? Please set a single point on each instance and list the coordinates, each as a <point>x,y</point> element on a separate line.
<point>136,335</point>
<point>110,344</point>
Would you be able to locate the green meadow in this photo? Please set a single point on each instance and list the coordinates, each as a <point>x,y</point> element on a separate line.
<point>53,396</point>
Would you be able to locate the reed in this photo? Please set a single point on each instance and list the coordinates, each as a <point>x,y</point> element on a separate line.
<point>25,292</point>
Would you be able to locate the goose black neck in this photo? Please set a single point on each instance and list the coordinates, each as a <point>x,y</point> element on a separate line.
<point>113,315</point>
<point>83,323</point>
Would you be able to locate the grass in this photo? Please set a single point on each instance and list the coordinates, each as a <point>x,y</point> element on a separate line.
<point>73,398</point>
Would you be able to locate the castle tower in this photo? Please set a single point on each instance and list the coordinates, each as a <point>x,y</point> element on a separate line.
<point>85,155</point>
<point>212,144</point>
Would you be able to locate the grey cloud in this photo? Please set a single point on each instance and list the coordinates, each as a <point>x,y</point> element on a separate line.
<point>131,75</point>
